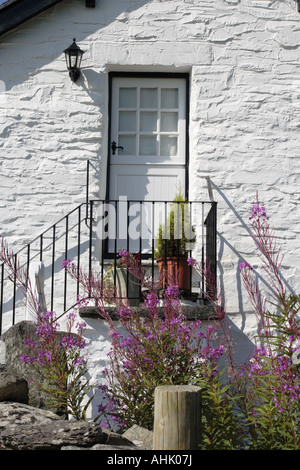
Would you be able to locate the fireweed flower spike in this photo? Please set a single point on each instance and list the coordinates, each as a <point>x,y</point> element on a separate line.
<point>61,364</point>
<point>191,261</point>
<point>65,263</point>
<point>258,212</point>
<point>245,265</point>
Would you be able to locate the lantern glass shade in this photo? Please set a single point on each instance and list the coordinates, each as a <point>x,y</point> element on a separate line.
<point>73,56</point>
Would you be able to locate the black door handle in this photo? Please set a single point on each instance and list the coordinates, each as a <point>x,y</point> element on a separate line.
<point>114,147</point>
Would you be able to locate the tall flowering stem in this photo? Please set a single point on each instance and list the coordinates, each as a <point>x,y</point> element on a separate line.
<point>269,383</point>
<point>56,356</point>
<point>153,351</point>
<point>18,275</point>
<point>255,296</point>
<point>158,347</point>
<point>215,297</point>
<point>264,237</point>
<point>61,364</point>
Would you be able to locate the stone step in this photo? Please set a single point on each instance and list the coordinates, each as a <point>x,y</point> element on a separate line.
<point>192,312</point>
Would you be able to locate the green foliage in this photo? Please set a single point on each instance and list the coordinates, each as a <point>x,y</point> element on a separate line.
<point>284,324</point>
<point>60,365</point>
<point>176,237</point>
<point>154,351</point>
<point>220,424</point>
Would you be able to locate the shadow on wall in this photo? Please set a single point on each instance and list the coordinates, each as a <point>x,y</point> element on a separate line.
<point>51,28</point>
<point>224,243</point>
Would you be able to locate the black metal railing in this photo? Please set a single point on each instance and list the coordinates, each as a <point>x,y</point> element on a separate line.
<point>91,236</point>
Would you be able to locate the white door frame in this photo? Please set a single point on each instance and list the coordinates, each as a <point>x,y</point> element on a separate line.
<point>112,132</point>
<point>173,166</point>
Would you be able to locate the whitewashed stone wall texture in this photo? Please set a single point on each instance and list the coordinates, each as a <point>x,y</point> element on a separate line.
<point>243,61</point>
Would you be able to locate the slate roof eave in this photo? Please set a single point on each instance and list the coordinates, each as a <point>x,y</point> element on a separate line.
<point>15,12</point>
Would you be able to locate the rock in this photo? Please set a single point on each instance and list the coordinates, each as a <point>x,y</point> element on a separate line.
<point>12,387</point>
<point>26,421</point>
<point>140,436</point>
<point>115,439</point>
<point>23,427</point>
<point>19,414</point>
<point>14,339</point>
<point>101,447</point>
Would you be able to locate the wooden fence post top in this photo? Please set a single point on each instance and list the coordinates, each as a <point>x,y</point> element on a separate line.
<point>179,388</point>
<point>177,417</point>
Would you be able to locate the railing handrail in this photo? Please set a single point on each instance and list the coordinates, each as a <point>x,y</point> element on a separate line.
<point>61,230</point>
<point>153,201</point>
<point>47,230</point>
<point>105,200</point>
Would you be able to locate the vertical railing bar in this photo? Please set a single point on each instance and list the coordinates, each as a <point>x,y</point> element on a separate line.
<point>153,240</point>
<point>165,248</point>
<point>215,243</point>
<point>41,247</point>
<point>14,290</point>
<point>190,218</point>
<point>115,245</point>
<point>27,265</point>
<point>52,268</point>
<point>1,297</point>
<point>78,247</point>
<point>87,187</point>
<point>90,246</point>
<point>102,241</point>
<point>177,238</point>
<point>202,255</point>
<point>127,247</point>
<point>140,243</point>
<point>66,257</point>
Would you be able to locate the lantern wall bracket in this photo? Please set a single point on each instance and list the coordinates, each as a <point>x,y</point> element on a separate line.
<point>73,55</point>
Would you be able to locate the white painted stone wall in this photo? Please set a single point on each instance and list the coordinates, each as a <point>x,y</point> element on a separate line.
<point>243,61</point>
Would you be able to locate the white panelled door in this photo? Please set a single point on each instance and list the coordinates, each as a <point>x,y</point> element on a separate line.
<point>148,138</point>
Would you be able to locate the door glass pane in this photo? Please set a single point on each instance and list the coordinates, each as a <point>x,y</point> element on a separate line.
<point>128,142</point>
<point>169,122</point>
<point>168,146</point>
<point>169,98</point>
<point>148,121</point>
<point>127,97</point>
<point>148,98</point>
<point>148,145</point>
<point>127,121</point>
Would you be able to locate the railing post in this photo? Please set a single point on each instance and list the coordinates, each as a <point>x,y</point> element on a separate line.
<point>90,246</point>
<point>87,188</point>
<point>14,289</point>
<point>177,417</point>
<point>211,245</point>
<point>1,297</point>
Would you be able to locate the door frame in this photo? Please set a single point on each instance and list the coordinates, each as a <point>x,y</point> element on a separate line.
<point>170,75</point>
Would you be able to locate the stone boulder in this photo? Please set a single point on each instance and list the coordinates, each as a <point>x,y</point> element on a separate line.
<point>14,342</point>
<point>23,427</point>
<point>27,423</point>
<point>140,436</point>
<point>12,387</point>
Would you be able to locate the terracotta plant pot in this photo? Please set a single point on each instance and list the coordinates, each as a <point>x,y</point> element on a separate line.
<point>174,271</point>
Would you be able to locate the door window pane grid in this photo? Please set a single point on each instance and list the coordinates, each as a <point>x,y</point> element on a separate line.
<point>148,121</point>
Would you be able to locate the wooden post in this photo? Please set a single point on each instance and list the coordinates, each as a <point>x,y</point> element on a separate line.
<point>177,417</point>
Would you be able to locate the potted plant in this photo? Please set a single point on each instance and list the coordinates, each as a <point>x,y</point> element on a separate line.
<point>173,244</point>
<point>127,286</point>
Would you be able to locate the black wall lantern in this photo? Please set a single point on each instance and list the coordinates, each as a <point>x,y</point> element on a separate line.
<point>73,56</point>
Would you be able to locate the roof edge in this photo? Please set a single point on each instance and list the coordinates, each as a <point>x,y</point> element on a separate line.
<point>15,12</point>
